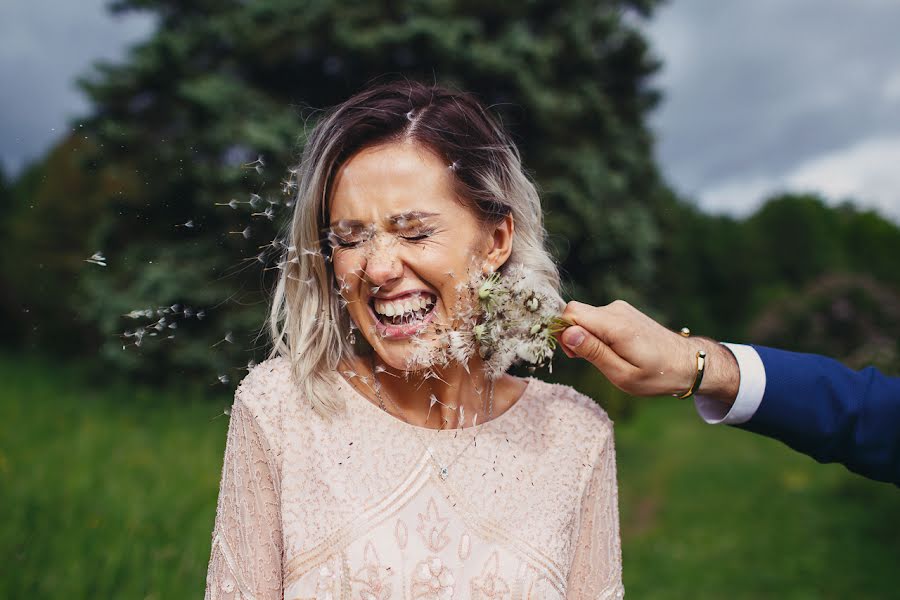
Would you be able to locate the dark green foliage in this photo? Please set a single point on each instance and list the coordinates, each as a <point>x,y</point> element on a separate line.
<point>781,276</point>
<point>178,127</point>
<point>221,83</point>
<point>853,318</point>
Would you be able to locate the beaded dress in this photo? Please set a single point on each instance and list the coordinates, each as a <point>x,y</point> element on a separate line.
<point>357,508</point>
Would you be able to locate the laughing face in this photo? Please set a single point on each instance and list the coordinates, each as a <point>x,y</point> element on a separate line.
<point>402,244</point>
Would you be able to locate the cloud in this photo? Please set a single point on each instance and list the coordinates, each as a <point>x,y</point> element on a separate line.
<point>758,91</point>
<point>865,172</point>
<point>44,46</point>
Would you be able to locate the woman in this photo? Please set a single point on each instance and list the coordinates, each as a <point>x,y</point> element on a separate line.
<point>410,477</point>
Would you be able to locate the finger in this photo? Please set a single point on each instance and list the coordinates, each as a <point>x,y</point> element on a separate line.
<point>559,338</point>
<point>599,321</point>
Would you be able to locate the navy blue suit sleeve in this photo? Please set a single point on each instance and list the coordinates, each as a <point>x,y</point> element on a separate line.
<point>822,408</point>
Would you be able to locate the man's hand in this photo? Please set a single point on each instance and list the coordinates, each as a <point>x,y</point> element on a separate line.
<point>643,358</point>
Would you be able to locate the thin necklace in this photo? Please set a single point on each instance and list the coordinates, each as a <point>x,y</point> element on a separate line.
<point>443,468</point>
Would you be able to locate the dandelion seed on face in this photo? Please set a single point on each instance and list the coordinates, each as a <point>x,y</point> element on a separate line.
<point>506,317</point>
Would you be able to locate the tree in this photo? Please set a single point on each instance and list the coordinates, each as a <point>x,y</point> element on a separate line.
<point>180,125</point>
<point>852,318</point>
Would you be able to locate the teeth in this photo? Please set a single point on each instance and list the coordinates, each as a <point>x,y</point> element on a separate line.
<point>402,307</point>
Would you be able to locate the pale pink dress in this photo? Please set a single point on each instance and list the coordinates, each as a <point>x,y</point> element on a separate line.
<point>356,508</point>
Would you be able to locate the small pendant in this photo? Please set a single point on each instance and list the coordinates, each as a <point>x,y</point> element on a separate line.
<point>444,472</point>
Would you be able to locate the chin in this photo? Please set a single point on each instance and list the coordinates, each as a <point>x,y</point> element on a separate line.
<point>408,355</point>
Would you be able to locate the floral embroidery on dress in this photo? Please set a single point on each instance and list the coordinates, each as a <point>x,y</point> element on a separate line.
<point>326,582</point>
<point>373,576</point>
<point>401,534</point>
<point>432,580</point>
<point>291,525</point>
<point>432,527</point>
<point>465,546</point>
<point>489,585</point>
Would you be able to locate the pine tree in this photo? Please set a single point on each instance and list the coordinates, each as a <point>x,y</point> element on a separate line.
<point>182,122</point>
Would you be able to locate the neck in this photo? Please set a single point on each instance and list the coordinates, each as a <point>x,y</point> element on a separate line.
<point>430,401</point>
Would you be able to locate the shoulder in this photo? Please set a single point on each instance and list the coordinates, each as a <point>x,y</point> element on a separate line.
<point>263,390</point>
<point>568,412</point>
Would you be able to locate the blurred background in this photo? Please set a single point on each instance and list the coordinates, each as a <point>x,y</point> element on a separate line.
<point>732,167</point>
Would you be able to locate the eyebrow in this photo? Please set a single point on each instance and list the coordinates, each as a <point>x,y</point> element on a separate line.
<point>412,215</point>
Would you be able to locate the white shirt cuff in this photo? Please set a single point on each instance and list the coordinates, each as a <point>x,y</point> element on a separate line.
<point>750,391</point>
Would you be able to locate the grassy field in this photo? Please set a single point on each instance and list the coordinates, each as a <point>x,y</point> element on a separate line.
<point>109,492</point>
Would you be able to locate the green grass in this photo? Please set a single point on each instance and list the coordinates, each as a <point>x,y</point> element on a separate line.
<point>109,492</point>
<point>105,492</point>
<point>716,512</point>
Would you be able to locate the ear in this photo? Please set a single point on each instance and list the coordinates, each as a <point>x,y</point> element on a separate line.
<point>501,243</point>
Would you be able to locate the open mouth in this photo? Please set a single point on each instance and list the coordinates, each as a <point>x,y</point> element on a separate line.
<point>405,315</point>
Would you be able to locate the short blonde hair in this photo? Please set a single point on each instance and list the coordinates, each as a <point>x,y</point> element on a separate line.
<point>306,322</point>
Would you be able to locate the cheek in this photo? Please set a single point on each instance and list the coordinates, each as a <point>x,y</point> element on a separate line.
<point>346,265</point>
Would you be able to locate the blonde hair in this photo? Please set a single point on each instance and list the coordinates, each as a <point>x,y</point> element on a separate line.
<point>306,322</point>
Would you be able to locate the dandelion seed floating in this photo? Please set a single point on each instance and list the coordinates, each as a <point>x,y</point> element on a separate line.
<point>229,337</point>
<point>245,232</point>
<point>269,213</point>
<point>223,379</point>
<point>256,165</point>
<point>233,204</point>
<point>188,224</point>
<point>97,258</point>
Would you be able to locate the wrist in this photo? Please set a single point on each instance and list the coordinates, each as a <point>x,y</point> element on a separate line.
<point>722,378</point>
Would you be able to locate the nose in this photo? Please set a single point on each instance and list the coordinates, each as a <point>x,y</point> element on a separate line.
<point>383,265</point>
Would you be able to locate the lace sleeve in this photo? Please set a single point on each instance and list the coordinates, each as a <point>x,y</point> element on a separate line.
<point>596,571</point>
<point>245,560</point>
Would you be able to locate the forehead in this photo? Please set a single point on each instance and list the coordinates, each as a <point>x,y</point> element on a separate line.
<point>392,180</point>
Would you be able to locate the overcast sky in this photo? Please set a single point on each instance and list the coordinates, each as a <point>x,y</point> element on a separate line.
<point>772,95</point>
<point>761,96</point>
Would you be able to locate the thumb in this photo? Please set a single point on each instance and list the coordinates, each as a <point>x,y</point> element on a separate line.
<point>587,346</point>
